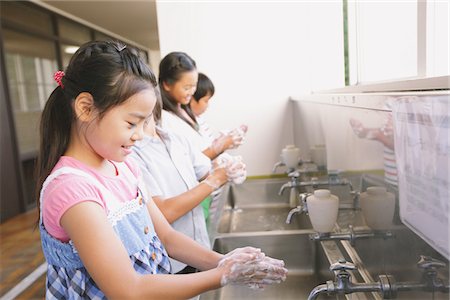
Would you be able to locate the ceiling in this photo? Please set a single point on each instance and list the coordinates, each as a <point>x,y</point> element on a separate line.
<point>133,20</point>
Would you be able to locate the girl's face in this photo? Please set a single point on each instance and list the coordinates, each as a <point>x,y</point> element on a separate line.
<point>112,136</point>
<point>183,89</point>
<point>200,106</point>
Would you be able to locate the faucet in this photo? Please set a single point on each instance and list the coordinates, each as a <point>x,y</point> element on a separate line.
<point>351,236</point>
<point>302,208</point>
<point>292,184</point>
<point>344,285</point>
<point>386,284</point>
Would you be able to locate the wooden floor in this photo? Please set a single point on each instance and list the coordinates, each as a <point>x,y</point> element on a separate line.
<point>21,254</point>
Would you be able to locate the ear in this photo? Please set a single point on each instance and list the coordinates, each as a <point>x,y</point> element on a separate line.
<point>84,107</point>
<point>166,86</point>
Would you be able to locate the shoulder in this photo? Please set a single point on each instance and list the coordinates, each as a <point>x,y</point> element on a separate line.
<point>71,188</point>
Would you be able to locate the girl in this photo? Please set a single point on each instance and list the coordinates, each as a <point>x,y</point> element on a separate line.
<point>198,105</point>
<point>178,81</point>
<point>172,170</point>
<point>101,234</point>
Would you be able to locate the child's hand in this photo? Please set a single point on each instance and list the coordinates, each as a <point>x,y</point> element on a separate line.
<point>217,178</point>
<point>236,168</point>
<point>249,266</point>
<point>229,140</point>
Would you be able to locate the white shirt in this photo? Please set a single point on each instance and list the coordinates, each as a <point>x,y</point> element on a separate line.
<point>171,167</point>
<point>206,131</point>
<point>173,123</point>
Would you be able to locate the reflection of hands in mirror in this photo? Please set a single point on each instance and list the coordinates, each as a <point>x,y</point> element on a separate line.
<point>251,267</point>
<point>383,134</point>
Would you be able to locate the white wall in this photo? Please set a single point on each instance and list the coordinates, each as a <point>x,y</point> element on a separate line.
<point>257,54</point>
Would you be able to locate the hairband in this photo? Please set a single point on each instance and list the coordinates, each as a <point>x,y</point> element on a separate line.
<point>58,76</point>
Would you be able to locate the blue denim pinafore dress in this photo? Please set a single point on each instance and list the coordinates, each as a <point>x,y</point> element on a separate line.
<point>67,277</point>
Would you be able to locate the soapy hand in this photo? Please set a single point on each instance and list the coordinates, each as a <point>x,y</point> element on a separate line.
<point>234,166</point>
<point>238,136</point>
<point>229,140</point>
<point>249,266</point>
<point>217,177</point>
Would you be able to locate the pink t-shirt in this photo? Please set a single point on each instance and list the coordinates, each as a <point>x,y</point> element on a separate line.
<point>68,189</point>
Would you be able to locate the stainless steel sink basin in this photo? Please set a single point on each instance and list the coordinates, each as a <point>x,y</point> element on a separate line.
<point>256,206</point>
<point>254,214</point>
<point>398,256</point>
<point>264,218</point>
<point>305,260</point>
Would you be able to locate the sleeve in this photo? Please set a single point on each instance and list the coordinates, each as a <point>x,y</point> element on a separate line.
<point>200,162</point>
<point>174,124</point>
<point>63,193</point>
<point>144,171</point>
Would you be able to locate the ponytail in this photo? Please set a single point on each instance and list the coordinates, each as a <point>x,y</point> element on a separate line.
<point>55,127</point>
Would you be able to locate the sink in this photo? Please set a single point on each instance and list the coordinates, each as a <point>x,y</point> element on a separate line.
<point>253,214</point>
<point>256,206</point>
<point>263,218</point>
<point>306,261</point>
<point>398,256</point>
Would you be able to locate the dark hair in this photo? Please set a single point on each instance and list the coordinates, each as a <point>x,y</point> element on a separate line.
<point>171,67</point>
<point>111,72</point>
<point>204,87</point>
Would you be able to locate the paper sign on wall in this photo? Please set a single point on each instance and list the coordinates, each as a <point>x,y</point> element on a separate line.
<point>422,150</point>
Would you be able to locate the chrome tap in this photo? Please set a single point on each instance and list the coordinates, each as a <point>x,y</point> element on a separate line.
<point>351,236</point>
<point>344,285</point>
<point>293,183</point>
<point>302,208</point>
<point>386,284</point>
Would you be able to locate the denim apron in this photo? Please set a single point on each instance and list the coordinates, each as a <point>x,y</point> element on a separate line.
<point>67,278</point>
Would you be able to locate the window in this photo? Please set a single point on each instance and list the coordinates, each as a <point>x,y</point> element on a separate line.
<point>437,38</point>
<point>394,40</point>
<point>73,32</point>
<point>30,64</point>
<point>25,16</point>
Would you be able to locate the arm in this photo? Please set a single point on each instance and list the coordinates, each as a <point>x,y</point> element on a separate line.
<point>218,147</point>
<point>180,246</point>
<point>176,207</point>
<point>233,139</point>
<point>111,268</point>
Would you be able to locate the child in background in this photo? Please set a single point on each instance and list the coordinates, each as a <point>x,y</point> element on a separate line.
<point>172,169</point>
<point>198,105</point>
<point>102,236</point>
<point>178,81</point>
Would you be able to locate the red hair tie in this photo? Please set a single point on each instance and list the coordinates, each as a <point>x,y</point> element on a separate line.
<point>58,78</point>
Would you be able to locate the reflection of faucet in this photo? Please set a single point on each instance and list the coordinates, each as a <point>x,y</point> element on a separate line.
<point>333,179</point>
<point>386,284</point>
<point>302,208</point>
<point>351,236</point>
<point>278,164</point>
